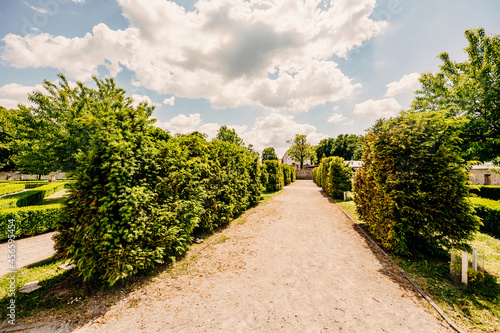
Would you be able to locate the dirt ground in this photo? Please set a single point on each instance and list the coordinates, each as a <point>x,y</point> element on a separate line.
<point>294,264</point>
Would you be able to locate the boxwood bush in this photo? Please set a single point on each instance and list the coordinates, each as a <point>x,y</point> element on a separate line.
<point>489,212</point>
<point>275,176</point>
<point>412,189</point>
<point>8,189</point>
<point>30,221</point>
<point>486,191</point>
<point>27,183</point>
<point>30,197</point>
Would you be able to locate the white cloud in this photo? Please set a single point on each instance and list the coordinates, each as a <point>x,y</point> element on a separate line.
<point>140,98</point>
<point>407,82</point>
<point>336,118</point>
<point>223,51</point>
<point>275,129</point>
<point>377,108</point>
<point>181,123</point>
<point>13,93</point>
<point>169,101</point>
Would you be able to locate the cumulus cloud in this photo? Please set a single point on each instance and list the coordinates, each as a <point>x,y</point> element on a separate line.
<point>169,101</point>
<point>181,123</point>
<point>377,108</point>
<point>276,53</point>
<point>336,118</point>
<point>275,129</point>
<point>140,98</point>
<point>407,82</point>
<point>13,94</point>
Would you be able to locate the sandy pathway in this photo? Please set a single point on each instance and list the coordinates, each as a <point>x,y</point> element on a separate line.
<point>296,264</point>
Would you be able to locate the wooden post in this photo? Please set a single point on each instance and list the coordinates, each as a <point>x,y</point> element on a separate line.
<point>465,266</point>
<point>474,259</point>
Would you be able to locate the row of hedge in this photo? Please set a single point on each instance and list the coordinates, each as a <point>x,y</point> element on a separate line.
<point>30,221</point>
<point>486,191</point>
<point>27,183</point>
<point>275,175</point>
<point>334,176</point>
<point>8,189</point>
<point>31,197</point>
<point>489,212</point>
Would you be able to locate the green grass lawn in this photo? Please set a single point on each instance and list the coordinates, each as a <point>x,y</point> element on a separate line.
<point>475,308</point>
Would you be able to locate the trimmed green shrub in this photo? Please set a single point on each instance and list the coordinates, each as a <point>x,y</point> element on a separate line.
<point>489,212</point>
<point>7,189</point>
<point>486,191</point>
<point>27,183</point>
<point>275,180</point>
<point>334,176</point>
<point>412,189</point>
<point>264,177</point>
<point>30,197</point>
<point>30,221</point>
<point>287,173</point>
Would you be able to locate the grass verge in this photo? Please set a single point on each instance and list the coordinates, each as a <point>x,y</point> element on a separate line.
<point>475,308</point>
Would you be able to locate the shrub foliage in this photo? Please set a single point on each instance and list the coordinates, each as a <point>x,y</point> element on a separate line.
<point>334,176</point>
<point>412,190</point>
<point>30,221</point>
<point>489,212</point>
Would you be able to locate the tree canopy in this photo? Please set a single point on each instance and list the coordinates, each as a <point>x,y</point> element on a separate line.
<point>8,121</point>
<point>269,154</point>
<point>300,150</point>
<point>229,135</point>
<point>469,90</point>
<point>347,146</point>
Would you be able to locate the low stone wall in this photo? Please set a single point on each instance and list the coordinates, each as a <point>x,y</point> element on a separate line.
<point>16,175</point>
<point>304,173</point>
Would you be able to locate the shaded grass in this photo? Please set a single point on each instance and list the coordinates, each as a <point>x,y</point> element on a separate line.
<point>475,308</point>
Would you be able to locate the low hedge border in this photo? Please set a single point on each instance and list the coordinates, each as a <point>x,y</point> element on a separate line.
<point>486,191</point>
<point>31,197</point>
<point>8,189</point>
<point>489,212</point>
<point>27,183</point>
<point>30,221</point>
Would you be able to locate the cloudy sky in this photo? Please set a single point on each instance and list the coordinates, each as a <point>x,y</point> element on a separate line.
<point>268,68</point>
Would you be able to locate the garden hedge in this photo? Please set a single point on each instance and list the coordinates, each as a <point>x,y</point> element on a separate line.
<point>8,189</point>
<point>489,212</point>
<point>27,183</point>
<point>412,189</point>
<point>486,191</point>
<point>275,176</point>
<point>30,221</point>
<point>30,197</point>
<point>334,176</point>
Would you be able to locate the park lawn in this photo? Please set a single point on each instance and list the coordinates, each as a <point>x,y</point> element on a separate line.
<point>475,308</point>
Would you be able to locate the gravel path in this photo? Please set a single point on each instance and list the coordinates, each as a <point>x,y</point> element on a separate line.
<point>28,251</point>
<point>295,264</point>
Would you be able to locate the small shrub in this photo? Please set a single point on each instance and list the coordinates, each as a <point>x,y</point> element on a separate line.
<point>489,212</point>
<point>31,197</point>
<point>8,189</point>
<point>30,221</point>
<point>334,176</point>
<point>275,176</point>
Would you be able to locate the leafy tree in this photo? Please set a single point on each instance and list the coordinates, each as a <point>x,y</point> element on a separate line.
<point>412,189</point>
<point>229,135</point>
<point>345,146</point>
<point>8,121</point>
<point>325,148</point>
<point>301,150</point>
<point>470,90</point>
<point>269,154</point>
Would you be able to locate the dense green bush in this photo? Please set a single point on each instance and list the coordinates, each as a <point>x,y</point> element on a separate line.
<point>275,178</point>
<point>288,174</point>
<point>334,176</point>
<point>412,189</point>
<point>489,212</point>
<point>8,189</point>
<point>486,191</point>
<point>30,221</point>
<point>30,197</point>
<point>136,200</point>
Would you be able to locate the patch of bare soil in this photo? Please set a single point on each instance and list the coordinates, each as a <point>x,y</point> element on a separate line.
<point>294,264</point>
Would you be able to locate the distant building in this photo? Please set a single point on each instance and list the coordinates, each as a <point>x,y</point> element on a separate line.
<point>482,175</point>
<point>288,160</point>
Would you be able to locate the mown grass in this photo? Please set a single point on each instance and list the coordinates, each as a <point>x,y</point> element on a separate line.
<point>475,308</point>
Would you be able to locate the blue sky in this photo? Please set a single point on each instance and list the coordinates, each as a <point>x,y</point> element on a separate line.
<point>270,69</point>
